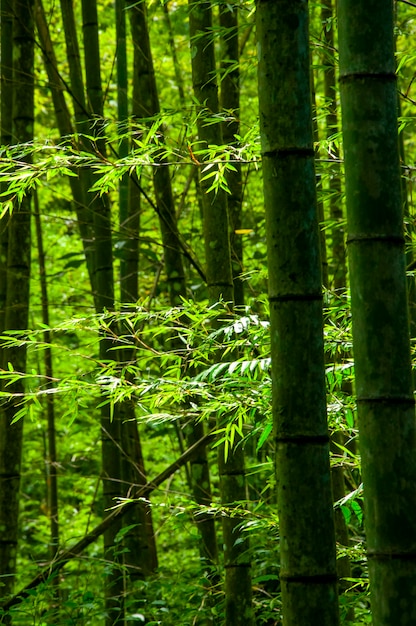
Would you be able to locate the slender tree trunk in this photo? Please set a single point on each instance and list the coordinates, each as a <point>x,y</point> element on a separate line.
<point>74,62</point>
<point>7,481</point>
<point>104,297</point>
<point>307,542</point>
<point>407,213</point>
<point>51,457</point>
<point>129,223</point>
<point>215,218</point>
<point>81,112</point>
<point>338,262</point>
<point>337,437</point>
<point>408,232</point>
<point>79,185</point>
<point>339,266</point>
<point>175,60</point>
<point>17,297</point>
<point>147,103</point>
<point>140,556</point>
<point>6,111</point>
<point>95,226</point>
<point>238,608</point>
<point>123,146</point>
<point>386,411</point>
<point>319,192</point>
<point>230,104</point>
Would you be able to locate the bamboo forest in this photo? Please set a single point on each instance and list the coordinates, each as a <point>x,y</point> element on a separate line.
<point>207,312</point>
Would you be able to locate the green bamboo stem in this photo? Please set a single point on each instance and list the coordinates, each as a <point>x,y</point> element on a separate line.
<point>230,104</point>
<point>408,232</point>
<point>147,102</point>
<point>338,262</point>
<point>104,297</point>
<point>79,185</point>
<point>319,193</point>
<point>176,65</point>
<point>17,296</point>
<point>123,142</point>
<point>215,222</point>
<point>140,557</point>
<point>307,542</point>
<point>386,412</point>
<point>51,459</point>
<point>6,109</point>
<point>238,607</point>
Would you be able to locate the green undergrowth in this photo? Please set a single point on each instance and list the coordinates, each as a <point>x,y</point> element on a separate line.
<point>172,386</point>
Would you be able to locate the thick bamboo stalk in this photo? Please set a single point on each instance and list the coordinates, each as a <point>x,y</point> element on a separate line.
<point>6,112</point>
<point>380,323</point>
<point>17,296</point>
<point>307,542</point>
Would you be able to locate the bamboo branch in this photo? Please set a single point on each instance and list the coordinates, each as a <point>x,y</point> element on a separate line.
<point>67,555</point>
<point>411,4</point>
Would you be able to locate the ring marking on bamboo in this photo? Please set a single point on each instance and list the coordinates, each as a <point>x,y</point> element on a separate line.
<point>316,579</point>
<point>303,297</point>
<point>394,239</point>
<point>304,439</point>
<point>286,152</point>
<point>386,76</point>
<point>387,400</point>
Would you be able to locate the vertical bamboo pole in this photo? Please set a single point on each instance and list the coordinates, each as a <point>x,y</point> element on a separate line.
<point>307,542</point>
<point>380,324</point>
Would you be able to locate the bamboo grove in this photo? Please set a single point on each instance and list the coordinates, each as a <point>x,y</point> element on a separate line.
<point>207,312</point>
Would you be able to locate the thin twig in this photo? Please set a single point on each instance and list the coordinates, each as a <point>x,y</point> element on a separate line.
<point>412,4</point>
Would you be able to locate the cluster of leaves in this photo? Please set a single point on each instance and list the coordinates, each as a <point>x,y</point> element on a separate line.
<point>172,380</point>
<point>23,167</point>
